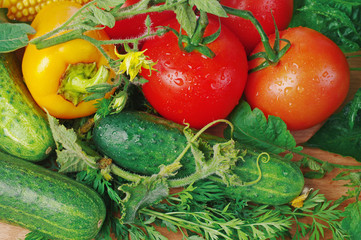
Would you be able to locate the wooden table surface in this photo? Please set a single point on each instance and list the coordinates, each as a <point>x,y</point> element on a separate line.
<point>331,189</point>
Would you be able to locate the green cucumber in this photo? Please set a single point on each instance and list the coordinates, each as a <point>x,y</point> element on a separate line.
<point>24,130</point>
<point>42,200</point>
<point>141,142</point>
<point>281,181</point>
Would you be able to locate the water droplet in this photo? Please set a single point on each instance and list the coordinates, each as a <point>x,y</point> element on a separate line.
<point>287,90</point>
<point>325,74</point>
<point>300,89</point>
<point>178,81</point>
<point>167,64</point>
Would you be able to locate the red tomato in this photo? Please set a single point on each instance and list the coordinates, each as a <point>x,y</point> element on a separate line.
<point>282,11</point>
<point>135,26</point>
<point>190,87</point>
<point>307,85</point>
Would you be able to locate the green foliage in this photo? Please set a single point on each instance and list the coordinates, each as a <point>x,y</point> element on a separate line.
<point>215,219</point>
<point>139,195</point>
<point>14,36</point>
<point>94,179</point>
<point>352,221</point>
<point>251,127</point>
<point>35,235</point>
<point>70,152</point>
<point>209,6</point>
<point>186,17</point>
<point>324,215</point>
<point>338,19</point>
<point>341,133</point>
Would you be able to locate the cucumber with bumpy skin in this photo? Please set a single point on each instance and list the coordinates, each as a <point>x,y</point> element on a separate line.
<point>141,142</point>
<point>24,130</point>
<point>42,200</point>
<point>281,181</point>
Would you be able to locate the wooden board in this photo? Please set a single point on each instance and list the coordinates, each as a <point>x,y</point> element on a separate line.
<point>331,189</point>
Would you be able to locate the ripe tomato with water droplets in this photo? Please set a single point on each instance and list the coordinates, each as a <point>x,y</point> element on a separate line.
<point>306,86</point>
<point>189,87</point>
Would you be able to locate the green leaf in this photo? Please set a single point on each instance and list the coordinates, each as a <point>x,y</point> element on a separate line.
<point>254,129</point>
<point>338,20</point>
<point>71,154</point>
<point>35,235</point>
<point>352,221</point>
<point>314,175</point>
<point>341,133</point>
<point>102,17</point>
<point>209,6</point>
<point>186,18</point>
<point>142,194</point>
<point>14,36</point>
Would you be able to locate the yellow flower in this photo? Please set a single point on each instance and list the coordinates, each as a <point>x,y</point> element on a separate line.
<point>298,201</point>
<point>133,62</point>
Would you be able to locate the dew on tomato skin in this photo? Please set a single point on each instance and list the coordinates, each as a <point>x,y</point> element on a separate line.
<point>287,90</point>
<point>325,74</point>
<point>167,64</point>
<point>300,89</point>
<point>316,79</point>
<point>178,81</point>
<point>279,83</point>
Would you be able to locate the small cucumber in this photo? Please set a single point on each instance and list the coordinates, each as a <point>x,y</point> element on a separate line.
<point>24,131</point>
<point>141,142</point>
<point>42,200</point>
<point>281,181</point>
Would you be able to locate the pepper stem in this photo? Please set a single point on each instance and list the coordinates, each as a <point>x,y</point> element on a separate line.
<point>78,77</point>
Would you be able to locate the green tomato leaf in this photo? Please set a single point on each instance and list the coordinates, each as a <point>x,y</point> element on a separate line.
<point>209,6</point>
<point>102,17</point>
<point>14,36</point>
<point>338,20</point>
<point>254,129</point>
<point>341,133</point>
<point>71,154</point>
<point>352,221</point>
<point>142,194</point>
<point>186,18</point>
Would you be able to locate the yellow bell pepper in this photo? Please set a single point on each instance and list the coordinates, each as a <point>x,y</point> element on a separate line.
<point>58,75</point>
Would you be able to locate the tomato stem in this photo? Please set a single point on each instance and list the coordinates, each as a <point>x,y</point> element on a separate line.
<point>271,55</point>
<point>202,23</point>
<point>42,43</point>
